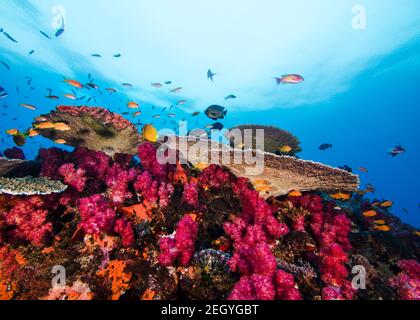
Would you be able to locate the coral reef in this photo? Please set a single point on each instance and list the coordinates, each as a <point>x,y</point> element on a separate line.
<point>274,139</point>
<point>128,229</point>
<point>30,186</point>
<point>93,128</point>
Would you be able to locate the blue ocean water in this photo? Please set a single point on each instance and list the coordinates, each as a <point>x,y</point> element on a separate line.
<point>361,90</point>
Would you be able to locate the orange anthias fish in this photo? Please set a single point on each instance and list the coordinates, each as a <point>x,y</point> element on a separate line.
<point>61,126</point>
<point>382,228</point>
<point>370,213</point>
<point>387,204</point>
<point>33,133</point>
<point>340,196</point>
<point>140,211</point>
<point>179,176</point>
<point>133,105</point>
<point>12,132</point>
<point>60,141</point>
<point>74,83</point>
<point>44,125</point>
<point>28,106</point>
<point>380,222</point>
<point>295,193</point>
<point>70,96</point>
<point>289,79</point>
<point>263,188</point>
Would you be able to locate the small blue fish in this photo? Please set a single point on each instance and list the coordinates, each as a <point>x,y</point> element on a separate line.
<point>231,96</point>
<point>118,55</point>
<point>210,75</point>
<point>96,55</point>
<point>45,35</point>
<point>60,30</point>
<point>5,65</point>
<point>8,36</point>
<point>31,52</point>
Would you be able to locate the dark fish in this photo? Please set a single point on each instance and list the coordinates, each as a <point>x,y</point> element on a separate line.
<point>218,126</point>
<point>118,55</point>
<point>92,85</point>
<point>215,112</point>
<point>60,31</point>
<point>31,52</point>
<point>210,75</point>
<point>8,36</point>
<point>325,146</point>
<point>19,139</point>
<point>5,65</point>
<point>231,96</point>
<point>45,35</point>
<point>397,150</point>
<point>127,85</point>
<point>96,55</point>
<point>346,168</point>
<point>168,82</point>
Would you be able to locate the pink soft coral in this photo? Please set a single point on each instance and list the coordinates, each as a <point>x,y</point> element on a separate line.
<point>96,215</point>
<point>182,246</point>
<point>73,177</point>
<point>407,283</point>
<point>29,219</point>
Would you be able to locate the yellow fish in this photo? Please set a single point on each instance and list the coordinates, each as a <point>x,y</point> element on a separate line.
<point>260,181</point>
<point>340,196</point>
<point>133,105</point>
<point>295,193</point>
<point>150,133</point>
<point>417,233</point>
<point>263,188</point>
<point>12,132</point>
<point>28,106</point>
<point>382,228</point>
<point>370,213</point>
<point>380,222</point>
<point>33,133</point>
<point>387,204</point>
<point>60,141</point>
<point>45,125</point>
<point>61,126</point>
<point>285,149</point>
<point>201,166</point>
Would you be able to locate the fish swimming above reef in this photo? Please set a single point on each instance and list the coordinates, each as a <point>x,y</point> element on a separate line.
<point>96,55</point>
<point>61,29</point>
<point>5,65</point>
<point>325,146</point>
<point>176,90</point>
<point>231,96</point>
<point>8,36</point>
<point>118,55</point>
<point>45,35</point>
<point>397,150</point>
<point>150,133</point>
<point>74,83</point>
<point>210,75</point>
<point>289,79</point>
<point>156,85</point>
<point>217,126</point>
<point>215,112</point>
